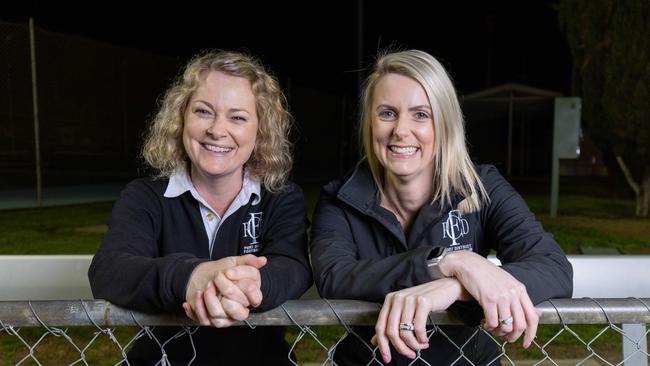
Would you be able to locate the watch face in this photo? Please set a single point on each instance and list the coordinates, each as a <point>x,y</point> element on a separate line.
<point>436,252</point>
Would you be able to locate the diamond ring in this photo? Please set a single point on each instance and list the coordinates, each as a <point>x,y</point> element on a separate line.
<point>506,321</point>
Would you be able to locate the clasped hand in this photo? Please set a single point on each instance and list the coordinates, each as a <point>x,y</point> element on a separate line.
<point>220,292</point>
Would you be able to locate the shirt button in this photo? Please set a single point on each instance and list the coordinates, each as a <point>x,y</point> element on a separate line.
<point>210,216</point>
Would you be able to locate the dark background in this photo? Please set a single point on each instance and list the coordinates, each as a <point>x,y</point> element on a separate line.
<point>483,43</point>
<point>320,52</point>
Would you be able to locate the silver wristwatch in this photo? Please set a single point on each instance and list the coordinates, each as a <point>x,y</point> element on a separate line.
<point>433,262</point>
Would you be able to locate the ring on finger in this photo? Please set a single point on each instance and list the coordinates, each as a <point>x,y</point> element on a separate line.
<point>506,321</point>
<point>406,326</point>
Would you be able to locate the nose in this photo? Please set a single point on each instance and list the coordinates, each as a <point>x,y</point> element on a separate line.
<point>217,128</point>
<point>401,128</point>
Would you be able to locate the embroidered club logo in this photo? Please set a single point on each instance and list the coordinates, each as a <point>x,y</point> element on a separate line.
<point>252,227</point>
<point>455,227</point>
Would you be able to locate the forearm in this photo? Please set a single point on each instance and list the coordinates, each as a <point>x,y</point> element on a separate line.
<point>283,278</point>
<point>526,251</point>
<point>141,283</point>
<point>370,279</point>
<point>453,287</point>
<point>452,265</point>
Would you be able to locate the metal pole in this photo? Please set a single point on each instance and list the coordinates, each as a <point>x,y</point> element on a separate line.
<point>635,346</point>
<point>125,135</point>
<point>555,183</point>
<point>37,140</point>
<point>510,111</point>
<point>555,165</point>
<point>307,312</point>
<point>359,43</point>
<point>523,126</point>
<point>354,147</point>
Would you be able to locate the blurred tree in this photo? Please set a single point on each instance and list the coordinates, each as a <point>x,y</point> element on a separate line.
<point>610,48</point>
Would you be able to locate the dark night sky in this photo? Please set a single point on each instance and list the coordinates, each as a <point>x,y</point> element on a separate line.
<point>315,51</point>
<point>481,43</point>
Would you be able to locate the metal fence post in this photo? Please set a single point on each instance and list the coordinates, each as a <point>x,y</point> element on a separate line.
<point>37,139</point>
<point>632,349</point>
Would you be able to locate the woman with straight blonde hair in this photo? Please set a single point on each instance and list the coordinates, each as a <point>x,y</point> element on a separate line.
<point>219,231</point>
<point>412,224</point>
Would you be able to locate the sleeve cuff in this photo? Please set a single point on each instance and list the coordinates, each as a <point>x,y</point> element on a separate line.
<point>266,290</point>
<point>420,270</point>
<point>182,276</point>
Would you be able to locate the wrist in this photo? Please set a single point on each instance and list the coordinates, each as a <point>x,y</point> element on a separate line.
<point>196,280</point>
<point>450,264</point>
<point>433,260</point>
<point>456,288</point>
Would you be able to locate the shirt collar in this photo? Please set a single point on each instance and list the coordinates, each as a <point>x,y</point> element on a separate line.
<point>180,182</point>
<point>360,190</point>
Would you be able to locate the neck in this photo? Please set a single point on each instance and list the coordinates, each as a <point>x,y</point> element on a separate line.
<point>218,192</point>
<point>405,198</point>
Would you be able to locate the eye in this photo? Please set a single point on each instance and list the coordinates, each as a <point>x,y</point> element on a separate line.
<point>387,114</point>
<point>202,112</point>
<point>239,119</point>
<point>421,116</point>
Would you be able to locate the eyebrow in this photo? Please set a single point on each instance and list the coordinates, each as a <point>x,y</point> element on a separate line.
<point>204,102</point>
<point>411,109</point>
<point>420,107</point>
<point>229,110</point>
<point>239,110</point>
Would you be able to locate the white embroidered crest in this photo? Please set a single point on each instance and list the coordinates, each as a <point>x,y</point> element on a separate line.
<point>455,227</point>
<point>252,227</point>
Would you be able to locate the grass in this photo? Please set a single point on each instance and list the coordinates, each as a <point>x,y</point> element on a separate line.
<point>76,229</point>
<point>570,343</point>
<point>56,350</point>
<point>309,349</point>
<point>582,222</point>
<point>102,351</point>
<point>594,222</point>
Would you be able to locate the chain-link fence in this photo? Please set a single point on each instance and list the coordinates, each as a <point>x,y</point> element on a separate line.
<point>573,331</point>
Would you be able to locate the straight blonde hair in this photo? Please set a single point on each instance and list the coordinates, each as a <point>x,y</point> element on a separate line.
<point>454,170</point>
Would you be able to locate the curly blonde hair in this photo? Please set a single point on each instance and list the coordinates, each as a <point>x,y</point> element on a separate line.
<point>271,158</point>
<point>454,170</point>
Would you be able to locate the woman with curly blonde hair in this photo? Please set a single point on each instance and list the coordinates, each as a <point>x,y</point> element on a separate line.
<point>271,158</point>
<point>219,230</point>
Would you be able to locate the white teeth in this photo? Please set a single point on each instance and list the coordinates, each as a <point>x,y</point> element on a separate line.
<point>404,150</point>
<point>217,148</point>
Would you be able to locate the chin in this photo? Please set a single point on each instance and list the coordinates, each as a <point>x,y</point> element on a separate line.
<point>213,171</point>
<point>400,170</point>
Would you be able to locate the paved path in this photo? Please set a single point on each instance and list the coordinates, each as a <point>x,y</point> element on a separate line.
<point>56,196</point>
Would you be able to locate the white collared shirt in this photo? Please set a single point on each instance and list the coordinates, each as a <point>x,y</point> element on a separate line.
<point>180,182</point>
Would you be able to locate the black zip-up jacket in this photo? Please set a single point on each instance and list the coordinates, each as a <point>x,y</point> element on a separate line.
<point>359,251</point>
<point>154,243</point>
